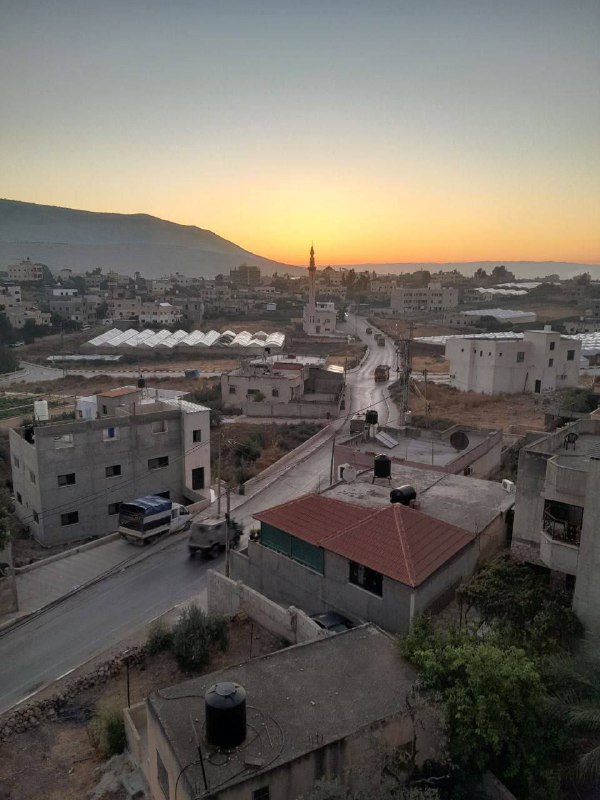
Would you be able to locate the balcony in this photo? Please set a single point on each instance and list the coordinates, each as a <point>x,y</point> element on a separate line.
<point>559,544</point>
<point>566,477</point>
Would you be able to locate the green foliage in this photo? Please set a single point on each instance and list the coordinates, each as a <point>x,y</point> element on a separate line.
<point>107,730</point>
<point>193,634</point>
<point>387,790</point>
<point>577,400</point>
<point>492,697</point>
<point>519,603</point>
<point>160,637</point>
<point>8,360</point>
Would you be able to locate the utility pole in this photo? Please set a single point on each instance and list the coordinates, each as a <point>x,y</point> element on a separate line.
<point>426,402</point>
<point>228,496</point>
<point>332,460</point>
<point>219,476</point>
<point>404,369</point>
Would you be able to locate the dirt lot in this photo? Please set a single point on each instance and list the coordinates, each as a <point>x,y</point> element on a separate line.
<point>437,364</point>
<point>56,760</point>
<point>75,385</point>
<point>516,412</point>
<point>398,328</point>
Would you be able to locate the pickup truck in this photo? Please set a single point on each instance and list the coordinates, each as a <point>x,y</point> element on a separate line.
<point>143,520</point>
<point>208,536</point>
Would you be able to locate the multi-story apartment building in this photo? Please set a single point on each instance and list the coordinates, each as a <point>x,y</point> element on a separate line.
<point>10,297</point>
<point>557,511</point>
<point>79,309</point>
<point>163,314</point>
<point>70,477</point>
<point>190,308</point>
<point>434,297</point>
<point>25,272</point>
<point>245,275</point>
<point>540,361</point>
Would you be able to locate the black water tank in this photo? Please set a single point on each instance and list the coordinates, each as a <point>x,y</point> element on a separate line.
<point>382,466</point>
<point>403,495</point>
<point>141,382</point>
<point>225,708</point>
<point>371,417</point>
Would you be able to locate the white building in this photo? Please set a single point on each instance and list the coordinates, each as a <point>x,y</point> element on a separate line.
<point>473,317</point>
<point>540,361</point>
<point>26,271</point>
<point>434,297</point>
<point>318,318</point>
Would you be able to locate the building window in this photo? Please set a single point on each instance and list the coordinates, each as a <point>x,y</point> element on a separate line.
<point>70,518</point>
<point>550,362</point>
<point>366,578</point>
<point>264,793</point>
<point>66,480</point>
<point>32,477</point>
<point>198,478</point>
<point>104,410</point>
<point>19,498</point>
<point>110,434</point>
<point>112,471</point>
<point>570,355</point>
<point>520,356</point>
<point>159,426</point>
<point>36,516</point>
<point>113,508</point>
<point>232,390</point>
<point>162,775</point>
<point>275,393</point>
<point>197,435</point>
<point>552,345</point>
<point>158,463</point>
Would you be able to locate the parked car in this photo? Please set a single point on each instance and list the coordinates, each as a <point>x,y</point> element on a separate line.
<point>333,622</point>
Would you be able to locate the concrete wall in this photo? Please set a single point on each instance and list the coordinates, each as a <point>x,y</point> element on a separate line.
<point>286,581</point>
<point>228,597</point>
<point>454,572</point>
<point>301,410</point>
<point>529,501</point>
<point>8,584</point>
<point>586,601</point>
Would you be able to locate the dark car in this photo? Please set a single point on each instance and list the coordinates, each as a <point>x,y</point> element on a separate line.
<point>333,622</point>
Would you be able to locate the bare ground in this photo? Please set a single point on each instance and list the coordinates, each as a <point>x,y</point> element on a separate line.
<point>56,760</point>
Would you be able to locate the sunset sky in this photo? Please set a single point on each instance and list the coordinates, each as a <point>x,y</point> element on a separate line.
<point>385,131</point>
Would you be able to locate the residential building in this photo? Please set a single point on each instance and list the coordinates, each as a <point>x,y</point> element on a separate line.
<point>434,297</point>
<point>321,709</point>
<point>381,287</point>
<point>350,550</point>
<point>293,388</point>
<point>332,277</point>
<point>10,297</point>
<point>318,318</point>
<point>457,450</point>
<point>245,275</point>
<point>19,315</point>
<point>332,290</point>
<point>557,511</point>
<point>540,361</point>
<point>190,308</point>
<point>159,314</point>
<point>63,291</point>
<point>70,477</point>
<point>25,272</point>
<point>79,309</point>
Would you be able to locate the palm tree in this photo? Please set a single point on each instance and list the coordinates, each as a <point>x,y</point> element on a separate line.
<point>575,702</point>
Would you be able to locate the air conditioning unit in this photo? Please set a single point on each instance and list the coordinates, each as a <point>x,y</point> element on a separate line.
<point>508,486</point>
<point>340,471</point>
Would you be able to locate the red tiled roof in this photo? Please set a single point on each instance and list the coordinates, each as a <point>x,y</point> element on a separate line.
<point>400,542</point>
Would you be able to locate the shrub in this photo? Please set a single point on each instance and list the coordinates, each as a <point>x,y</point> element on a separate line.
<point>107,730</point>
<point>193,634</point>
<point>160,637</point>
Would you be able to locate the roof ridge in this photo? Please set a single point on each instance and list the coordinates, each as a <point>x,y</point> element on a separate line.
<point>403,544</point>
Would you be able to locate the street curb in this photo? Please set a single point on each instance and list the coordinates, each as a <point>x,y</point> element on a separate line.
<point>66,553</point>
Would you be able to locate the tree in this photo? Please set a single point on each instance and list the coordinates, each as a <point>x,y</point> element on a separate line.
<point>8,360</point>
<point>7,332</point>
<point>480,274</point>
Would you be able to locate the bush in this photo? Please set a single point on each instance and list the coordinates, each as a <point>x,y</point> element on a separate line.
<point>107,730</point>
<point>193,635</point>
<point>160,638</point>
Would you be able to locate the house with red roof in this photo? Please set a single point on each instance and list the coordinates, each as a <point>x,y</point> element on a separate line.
<point>381,564</point>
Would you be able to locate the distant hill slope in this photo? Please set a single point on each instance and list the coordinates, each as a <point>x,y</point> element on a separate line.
<point>66,237</point>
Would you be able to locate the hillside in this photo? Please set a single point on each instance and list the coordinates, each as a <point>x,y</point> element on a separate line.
<point>65,237</point>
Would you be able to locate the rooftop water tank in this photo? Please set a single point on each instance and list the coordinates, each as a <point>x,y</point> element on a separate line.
<point>403,495</point>
<point>371,417</point>
<point>225,709</point>
<point>382,466</point>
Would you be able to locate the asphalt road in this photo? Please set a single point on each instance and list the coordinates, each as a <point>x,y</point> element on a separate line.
<point>80,627</point>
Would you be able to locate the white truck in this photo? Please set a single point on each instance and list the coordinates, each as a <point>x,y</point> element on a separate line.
<point>209,536</point>
<point>143,520</point>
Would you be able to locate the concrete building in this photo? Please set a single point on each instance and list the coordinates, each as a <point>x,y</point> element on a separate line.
<point>284,389</point>
<point>79,309</point>
<point>190,308</point>
<point>540,361</point>
<point>478,451</point>
<point>434,297</point>
<point>318,318</point>
<point>315,710</point>
<point>245,275</point>
<point>557,512</point>
<point>350,550</point>
<point>70,477</point>
<point>25,272</point>
<point>476,317</point>
<point>10,298</point>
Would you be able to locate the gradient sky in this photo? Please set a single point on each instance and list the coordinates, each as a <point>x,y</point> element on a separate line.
<point>424,130</point>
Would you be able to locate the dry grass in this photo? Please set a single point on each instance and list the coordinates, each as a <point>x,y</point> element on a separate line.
<point>437,364</point>
<point>398,328</point>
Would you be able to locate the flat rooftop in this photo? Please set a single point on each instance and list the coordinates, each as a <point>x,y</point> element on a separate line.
<point>298,700</point>
<point>470,503</point>
<point>421,449</point>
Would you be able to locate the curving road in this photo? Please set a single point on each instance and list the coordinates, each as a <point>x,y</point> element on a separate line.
<point>62,637</point>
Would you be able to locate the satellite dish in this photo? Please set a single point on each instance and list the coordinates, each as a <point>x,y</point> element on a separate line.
<point>349,474</point>
<point>459,440</point>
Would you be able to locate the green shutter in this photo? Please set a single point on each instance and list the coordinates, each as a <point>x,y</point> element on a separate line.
<point>307,554</point>
<point>275,539</point>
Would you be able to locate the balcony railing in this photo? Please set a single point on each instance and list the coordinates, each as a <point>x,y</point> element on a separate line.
<point>560,530</point>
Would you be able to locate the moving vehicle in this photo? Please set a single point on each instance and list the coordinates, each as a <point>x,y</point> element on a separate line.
<point>369,330</point>
<point>382,373</point>
<point>380,339</point>
<point>333,622</point>
<point>208,536</point>
<point>145,519</point>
